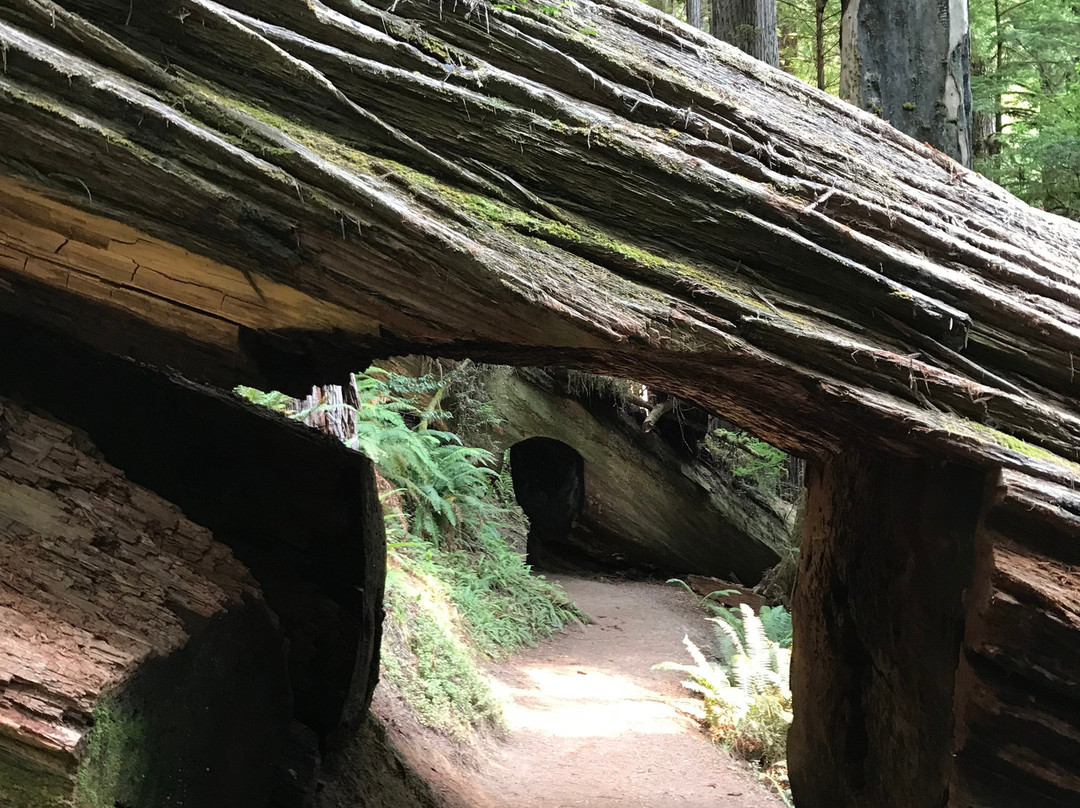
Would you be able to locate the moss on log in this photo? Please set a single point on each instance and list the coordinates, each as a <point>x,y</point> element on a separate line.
<point>376,175</point>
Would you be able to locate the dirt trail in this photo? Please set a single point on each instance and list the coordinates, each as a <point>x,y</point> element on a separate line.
<point>591,724</point>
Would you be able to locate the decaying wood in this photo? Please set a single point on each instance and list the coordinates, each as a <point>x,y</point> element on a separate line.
<point>112,594</point>
<point>329,409</point>
<point>708,587</point>
<point>1021,678</point>
<point>887,558</point>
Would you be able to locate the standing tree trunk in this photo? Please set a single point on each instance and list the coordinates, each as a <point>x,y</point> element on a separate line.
<point>819,41</point>
<point>693,13</point>
<point>983,124</point>
<point>749,25</point>
<point>909,62</point>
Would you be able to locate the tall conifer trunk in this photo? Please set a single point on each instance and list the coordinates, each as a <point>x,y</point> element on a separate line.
<point>749,25</point>
<point>693,12</point>
<point>909,62</point>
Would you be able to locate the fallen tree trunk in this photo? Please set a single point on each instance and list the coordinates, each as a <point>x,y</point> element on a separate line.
<point>139,664</point>
<point>643,505</point>
<point>619,183</point>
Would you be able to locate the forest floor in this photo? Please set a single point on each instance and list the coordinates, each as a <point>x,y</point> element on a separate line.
<point>590,723</point>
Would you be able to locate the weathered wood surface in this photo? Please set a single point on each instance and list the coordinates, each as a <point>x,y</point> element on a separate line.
<point>887,557</point>
<point>109,599</point>
<point>297,508</point>
<point>1019,736</point>
<point>644,504</point>
<point>605,183</point>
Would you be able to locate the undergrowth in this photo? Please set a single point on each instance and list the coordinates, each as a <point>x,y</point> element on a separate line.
<point>745,687</point>
<point>430,663</point>
<point>456,589</point>
<point>751,460</point>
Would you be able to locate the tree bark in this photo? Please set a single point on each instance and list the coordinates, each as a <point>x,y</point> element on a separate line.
<point>749,25</point>
<point>886,557</point>
<point>139,664</point>
<point>1016,738</point>
<point>693,13</point>
<point>819,42</point>
<point>908,61</point>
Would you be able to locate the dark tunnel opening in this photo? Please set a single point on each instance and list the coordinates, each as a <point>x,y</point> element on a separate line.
<point>549,485</point>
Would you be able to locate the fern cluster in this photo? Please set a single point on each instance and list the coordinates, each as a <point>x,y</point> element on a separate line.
<point>745,687</point>
<point>748,458</point>
<point>455,582</point>
<point>446,484</point>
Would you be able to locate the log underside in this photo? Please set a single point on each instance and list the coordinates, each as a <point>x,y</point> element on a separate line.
<point>298,509</point>
<point>275,191</point>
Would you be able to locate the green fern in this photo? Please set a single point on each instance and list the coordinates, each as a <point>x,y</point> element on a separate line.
<point>278,402</point>
<point>746,690</point>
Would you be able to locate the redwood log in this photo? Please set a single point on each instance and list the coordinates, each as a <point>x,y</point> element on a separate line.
<point>642,505</point>
<point>139,664</point>
<point>879,616</point>
<point>298,182</point>
<point>1018,738</point>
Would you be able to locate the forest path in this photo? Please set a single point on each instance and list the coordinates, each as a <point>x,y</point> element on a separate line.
<point>592,724</point>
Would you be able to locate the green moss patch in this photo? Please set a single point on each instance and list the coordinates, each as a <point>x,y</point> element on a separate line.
<point>114,758</point>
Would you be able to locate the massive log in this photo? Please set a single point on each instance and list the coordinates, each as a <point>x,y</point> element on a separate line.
<point>644,504</point>
<point>139,664</point>
<point>272,190</point>
<point>641,199</point>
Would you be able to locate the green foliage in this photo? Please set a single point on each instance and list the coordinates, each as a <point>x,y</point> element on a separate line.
<point>549,9</point>
<point>445,483</point>
<point>469,397</point>
<point>432,667</point>
<point>745,457</point>
<point>745,690</point>
<point>278,402</point>
<point>798,21</point>
<point>114,761</point>
<point>1025,80</point>
<point>775,622</point>
<point>503,606</point>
